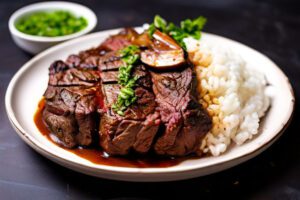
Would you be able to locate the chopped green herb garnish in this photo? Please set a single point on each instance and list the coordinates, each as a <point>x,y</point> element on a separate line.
<point>126,96</point>
<point>129,51</point>
<point>151,29</point>
<point>188,28</point>
<point>51,24</point>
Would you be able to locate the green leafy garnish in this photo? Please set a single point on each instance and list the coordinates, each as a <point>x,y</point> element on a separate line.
<point>160,23</point>
<point>126,96</point>
<point>187,28</point>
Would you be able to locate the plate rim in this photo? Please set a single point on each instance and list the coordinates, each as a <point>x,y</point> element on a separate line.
<point>129,170</point>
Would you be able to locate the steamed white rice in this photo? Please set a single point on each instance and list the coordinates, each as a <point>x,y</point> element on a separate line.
<point>233,94</point>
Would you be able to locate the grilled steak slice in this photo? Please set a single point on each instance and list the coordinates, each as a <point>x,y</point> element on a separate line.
<point>135,130</point>
<point>74,77</point>
<point>71,104</point>
<point>124,38</point>
<point>185,121</point>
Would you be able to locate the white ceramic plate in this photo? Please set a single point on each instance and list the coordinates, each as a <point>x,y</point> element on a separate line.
<point>27,87</point>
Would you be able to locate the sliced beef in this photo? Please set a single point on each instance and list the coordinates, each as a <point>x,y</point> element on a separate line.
<point>72,99</point>
<point>124,38</point>
<point>74,77</point>
<point>109,77</point>
<point>135,130</point>
<point>72,96</point>
<point>106,52</point>
<point>185,121</point>
<point>81,91</point>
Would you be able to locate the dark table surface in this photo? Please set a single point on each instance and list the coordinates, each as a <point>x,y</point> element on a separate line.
<point>272,27</point>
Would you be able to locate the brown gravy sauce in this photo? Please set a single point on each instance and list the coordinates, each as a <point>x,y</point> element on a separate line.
<point>98,156</point>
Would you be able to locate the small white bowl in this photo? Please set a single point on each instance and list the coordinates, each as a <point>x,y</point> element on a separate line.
<point>35,44</point>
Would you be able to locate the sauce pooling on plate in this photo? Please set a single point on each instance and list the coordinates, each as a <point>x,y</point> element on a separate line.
<point>98,156</point>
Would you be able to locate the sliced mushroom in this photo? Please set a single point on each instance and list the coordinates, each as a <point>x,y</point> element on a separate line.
<point>164,52</point>
<point>165,42</point>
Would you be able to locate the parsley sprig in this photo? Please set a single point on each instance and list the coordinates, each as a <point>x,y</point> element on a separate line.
<point>126,96</point>
<point>187,28</point>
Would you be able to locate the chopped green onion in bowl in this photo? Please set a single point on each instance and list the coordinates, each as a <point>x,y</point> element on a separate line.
<point>51,23</point>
